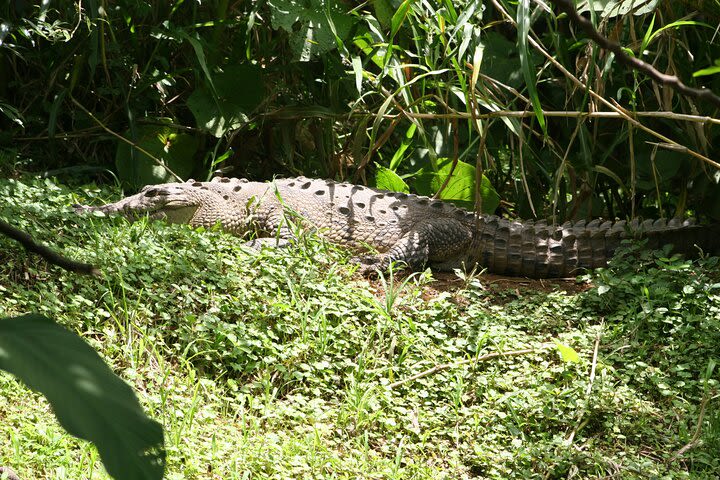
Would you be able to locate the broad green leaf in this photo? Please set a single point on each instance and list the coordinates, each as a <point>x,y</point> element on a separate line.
<point>501,60</point>
<point>233,105</point>
<point>383,12</point>
<point>89,400</point>
<point>460,189</point>
<point>307,25</point>
<point>386,179</point>
<point>567,353</point>
<point>174,149</point>
<point>526,64</point>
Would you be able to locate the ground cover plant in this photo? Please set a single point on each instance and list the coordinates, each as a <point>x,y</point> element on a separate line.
<point>282,364</point>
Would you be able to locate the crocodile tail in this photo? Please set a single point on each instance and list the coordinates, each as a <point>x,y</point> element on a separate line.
<point>538,250</point>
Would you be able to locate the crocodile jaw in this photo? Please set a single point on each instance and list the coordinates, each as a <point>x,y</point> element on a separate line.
<point>174,203</point>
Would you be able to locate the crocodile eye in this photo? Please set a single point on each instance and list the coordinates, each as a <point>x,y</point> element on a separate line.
<point>151,193</point>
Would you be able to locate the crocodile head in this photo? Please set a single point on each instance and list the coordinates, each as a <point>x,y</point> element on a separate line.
<point>194,203</point>
<point>173,202</point>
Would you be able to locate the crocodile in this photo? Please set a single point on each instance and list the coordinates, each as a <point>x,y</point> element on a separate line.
<point>385,227</point>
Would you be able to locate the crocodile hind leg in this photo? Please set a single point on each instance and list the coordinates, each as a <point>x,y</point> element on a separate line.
<point>428,242</point>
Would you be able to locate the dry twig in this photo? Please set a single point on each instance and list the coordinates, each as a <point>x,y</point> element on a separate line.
<point>445,366</point>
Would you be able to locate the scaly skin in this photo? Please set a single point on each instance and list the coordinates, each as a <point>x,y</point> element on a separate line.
<point>403,228</point>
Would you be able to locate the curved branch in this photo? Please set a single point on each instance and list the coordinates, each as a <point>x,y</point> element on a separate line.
<point>703,94</point>
<point>48,254</point>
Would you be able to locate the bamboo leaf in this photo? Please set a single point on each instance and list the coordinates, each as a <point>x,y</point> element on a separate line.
<point>528,69</point>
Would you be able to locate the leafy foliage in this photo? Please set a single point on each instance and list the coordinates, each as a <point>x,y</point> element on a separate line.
<point>88,399</point>
<point>325,88</point>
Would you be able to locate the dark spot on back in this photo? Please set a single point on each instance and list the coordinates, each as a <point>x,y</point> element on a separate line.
<point>370,218</point>
<point>437,204</point>
<point>224,180</point>
<point>226,197</point>
<point>360,204</point>
<point>197,184</point>
<point>204,187</point>
<point>291,184</point>
<point>306,185</point>
<point>320,192</point>
<point>237,188</point>
<point>395,208</point>
<point>344,210</point>
<point>423,201</point>
<point>379,196</point>
<point>401,195</point>
<point>383,212</point>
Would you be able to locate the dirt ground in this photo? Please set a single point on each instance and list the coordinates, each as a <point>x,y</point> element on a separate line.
<point>449,282</point>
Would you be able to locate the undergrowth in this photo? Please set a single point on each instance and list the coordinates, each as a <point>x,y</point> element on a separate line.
<point>284,364</point>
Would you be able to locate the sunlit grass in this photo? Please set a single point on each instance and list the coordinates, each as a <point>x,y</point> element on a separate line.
<point>282,364</point>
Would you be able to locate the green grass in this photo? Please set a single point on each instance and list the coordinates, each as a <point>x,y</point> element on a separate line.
<point>283,364</point>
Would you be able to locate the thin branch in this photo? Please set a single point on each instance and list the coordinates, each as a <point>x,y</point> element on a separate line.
<point>50,255</point>
<point>561,113</point>
<point>446,366</point>
<point>624,113</point>
<point>123,139</point>
<point>698,429</point>
<point>702,94</point>
<point>499,114</point>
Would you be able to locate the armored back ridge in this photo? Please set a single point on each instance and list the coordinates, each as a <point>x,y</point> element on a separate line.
<point>402,227</point>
